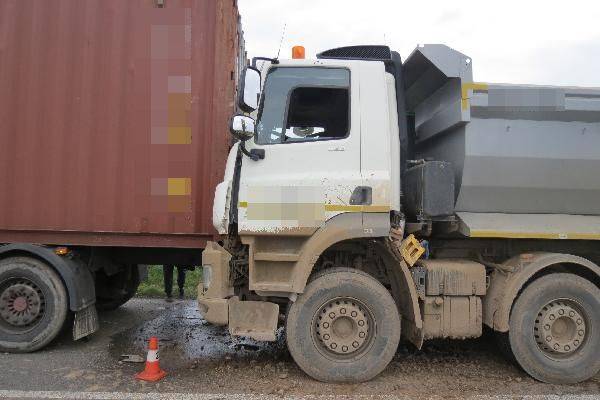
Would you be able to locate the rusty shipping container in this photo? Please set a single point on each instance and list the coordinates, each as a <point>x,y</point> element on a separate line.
<point>113,119</point>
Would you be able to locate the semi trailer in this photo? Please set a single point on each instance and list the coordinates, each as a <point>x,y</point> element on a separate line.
<point>369,199</point>
<point>113,136</point>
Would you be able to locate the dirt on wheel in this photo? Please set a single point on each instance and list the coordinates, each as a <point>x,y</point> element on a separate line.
<point>201,358</point>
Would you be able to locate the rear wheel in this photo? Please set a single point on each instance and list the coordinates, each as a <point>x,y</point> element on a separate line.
<point>503,342</point>
<point>115,290</point>
<point>33,304</point>
<point>345,327</point>
<point>555,329</point>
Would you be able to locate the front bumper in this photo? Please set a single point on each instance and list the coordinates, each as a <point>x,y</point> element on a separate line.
<point>213,295</point>
<point>219,306</point>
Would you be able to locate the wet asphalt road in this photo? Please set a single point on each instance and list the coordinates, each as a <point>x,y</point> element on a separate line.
<point>203,361</point>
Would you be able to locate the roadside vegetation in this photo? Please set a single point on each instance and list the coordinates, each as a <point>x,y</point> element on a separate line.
<point>154,286</point>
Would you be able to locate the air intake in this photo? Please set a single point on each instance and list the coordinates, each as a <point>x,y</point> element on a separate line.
<point>370,52</point>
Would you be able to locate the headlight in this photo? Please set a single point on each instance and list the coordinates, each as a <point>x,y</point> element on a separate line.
<point>206,276</point>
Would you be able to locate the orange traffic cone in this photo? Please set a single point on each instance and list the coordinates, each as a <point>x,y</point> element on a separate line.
<point>152,372</point>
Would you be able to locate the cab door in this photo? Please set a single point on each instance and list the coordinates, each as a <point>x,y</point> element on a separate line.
<point>311,142</point>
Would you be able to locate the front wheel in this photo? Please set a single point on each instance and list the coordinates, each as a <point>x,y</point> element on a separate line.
<point>33,304</point>
<point>345,327</point>
<point>555,329</point>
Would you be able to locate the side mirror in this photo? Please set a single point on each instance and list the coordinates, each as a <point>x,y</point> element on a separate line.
<point>249,90</point>
<point>242,127</point>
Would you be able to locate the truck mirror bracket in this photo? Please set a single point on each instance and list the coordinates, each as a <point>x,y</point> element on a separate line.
<point>253,154</point>
<point>257,154</point>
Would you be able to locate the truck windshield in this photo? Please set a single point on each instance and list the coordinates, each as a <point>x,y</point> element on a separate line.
<point>304,103</point>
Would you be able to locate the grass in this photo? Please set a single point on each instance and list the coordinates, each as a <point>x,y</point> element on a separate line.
<point>154,286</point>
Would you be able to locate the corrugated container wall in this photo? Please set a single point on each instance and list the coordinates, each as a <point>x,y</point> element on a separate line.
<point>113,119</point>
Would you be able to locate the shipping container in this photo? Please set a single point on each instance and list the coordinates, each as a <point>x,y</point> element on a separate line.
<point>113,135</point>
<point>114,119</point>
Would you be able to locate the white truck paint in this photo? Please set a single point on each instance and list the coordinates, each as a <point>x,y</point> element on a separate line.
<point>312,198</point>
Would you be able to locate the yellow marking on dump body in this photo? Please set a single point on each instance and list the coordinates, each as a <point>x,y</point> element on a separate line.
<point>340,208</point>
<point>534,235</point>
<point>465,92</point>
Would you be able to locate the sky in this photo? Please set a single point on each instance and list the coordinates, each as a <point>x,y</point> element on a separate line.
<point>528,41</point>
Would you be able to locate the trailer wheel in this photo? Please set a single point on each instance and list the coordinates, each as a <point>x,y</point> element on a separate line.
<point>345,327</point>
<point>33,304</point>
<point>555,329</point>
<point>114,291</point>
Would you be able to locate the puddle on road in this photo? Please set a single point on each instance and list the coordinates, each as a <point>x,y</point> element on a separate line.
<point>185,336</point>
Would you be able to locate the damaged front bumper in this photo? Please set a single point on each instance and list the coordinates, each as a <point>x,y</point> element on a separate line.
<point>219,306</point>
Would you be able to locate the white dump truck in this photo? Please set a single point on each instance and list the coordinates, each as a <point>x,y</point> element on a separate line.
<point>370,199</point>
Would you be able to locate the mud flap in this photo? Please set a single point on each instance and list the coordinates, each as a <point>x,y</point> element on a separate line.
<point>86,322</point>
<point>254,319</point>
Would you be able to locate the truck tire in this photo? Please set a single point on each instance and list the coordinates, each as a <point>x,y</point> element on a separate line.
<point>555,329</point>
<point>503,342</point>
<point>345,327</point>
<point>114,291</point>
<point>33,304</point>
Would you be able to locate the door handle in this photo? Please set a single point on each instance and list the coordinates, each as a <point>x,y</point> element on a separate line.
<point>361,195</point>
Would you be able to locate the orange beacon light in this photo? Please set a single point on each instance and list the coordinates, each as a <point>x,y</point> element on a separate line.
<point>298,52</point>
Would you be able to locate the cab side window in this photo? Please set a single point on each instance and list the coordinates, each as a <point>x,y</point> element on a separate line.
<point>301,104</point>
<point>317,113</point>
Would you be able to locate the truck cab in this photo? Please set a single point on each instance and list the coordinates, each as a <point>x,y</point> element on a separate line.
<point>358,207</point>
<point>329,144</point>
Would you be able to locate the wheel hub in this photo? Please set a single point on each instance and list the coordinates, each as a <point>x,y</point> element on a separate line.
<point>560,328</point>
<point>21,303</point>
<point>342,326</point>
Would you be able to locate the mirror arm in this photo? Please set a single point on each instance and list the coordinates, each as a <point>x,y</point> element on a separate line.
<point>271,60</point>
<point>254,154</point>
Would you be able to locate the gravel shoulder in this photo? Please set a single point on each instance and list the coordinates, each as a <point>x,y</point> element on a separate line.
<point>205,359</point>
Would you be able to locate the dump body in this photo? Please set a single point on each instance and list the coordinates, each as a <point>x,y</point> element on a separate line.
<point>114,119</point>
<point>517,149</point>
